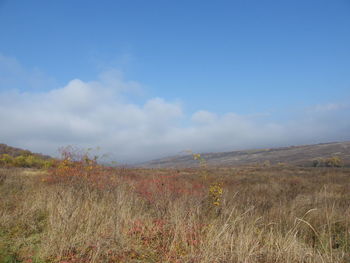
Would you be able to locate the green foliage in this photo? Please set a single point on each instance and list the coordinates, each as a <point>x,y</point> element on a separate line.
<point>25,161</point>
<point>6,160</point>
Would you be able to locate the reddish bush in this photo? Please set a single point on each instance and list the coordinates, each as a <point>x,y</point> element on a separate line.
<point>76,166</point>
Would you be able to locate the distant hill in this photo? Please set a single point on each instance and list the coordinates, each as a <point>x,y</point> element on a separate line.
<point>14,152</point>
<point>294,155</point>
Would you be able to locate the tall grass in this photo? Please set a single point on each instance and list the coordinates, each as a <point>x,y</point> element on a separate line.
<point>248,214</point>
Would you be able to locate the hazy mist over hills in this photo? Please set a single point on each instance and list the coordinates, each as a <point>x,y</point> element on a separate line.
<point>149,79</point>
<point>303,155</point>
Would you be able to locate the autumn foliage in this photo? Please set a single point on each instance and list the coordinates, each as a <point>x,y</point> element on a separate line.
<point>79,211</point>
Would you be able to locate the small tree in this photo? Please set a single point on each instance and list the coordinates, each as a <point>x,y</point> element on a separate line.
<point>20,161</point>
<point>334,161</point>
<point>6,160</point>
<point>318,162</point>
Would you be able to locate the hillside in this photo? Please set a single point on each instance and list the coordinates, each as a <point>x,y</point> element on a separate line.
<point>294,155</point>
<point>14,152</point>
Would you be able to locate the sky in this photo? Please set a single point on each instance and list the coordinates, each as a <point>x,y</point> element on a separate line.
<point>148,79</point>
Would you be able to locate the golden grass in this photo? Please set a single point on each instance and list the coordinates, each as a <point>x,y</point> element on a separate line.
<point>273,214</point>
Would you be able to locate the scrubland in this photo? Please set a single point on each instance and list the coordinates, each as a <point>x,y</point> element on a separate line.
<point>83,212</point>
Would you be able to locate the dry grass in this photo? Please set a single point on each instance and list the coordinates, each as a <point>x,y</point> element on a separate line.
<point>276,214</point>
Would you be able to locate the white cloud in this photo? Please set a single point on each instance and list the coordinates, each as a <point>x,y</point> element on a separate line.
<point>98,113</point>
<point>204,117</point>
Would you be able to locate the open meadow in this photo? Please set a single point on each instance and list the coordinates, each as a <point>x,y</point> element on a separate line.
<point>83,212</point>
<point>175,131</point>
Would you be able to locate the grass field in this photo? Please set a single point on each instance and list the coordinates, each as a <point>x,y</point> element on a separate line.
<point>247,214</point>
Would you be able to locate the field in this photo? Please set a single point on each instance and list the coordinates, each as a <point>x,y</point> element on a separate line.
<point>87,213</point>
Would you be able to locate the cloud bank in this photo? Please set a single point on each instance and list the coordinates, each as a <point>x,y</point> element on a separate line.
<point>99,113</point>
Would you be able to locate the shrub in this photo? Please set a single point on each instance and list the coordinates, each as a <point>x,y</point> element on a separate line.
<point>6,160</point>
<point>78,166</point>
<point>334,161</point>
<point>24,161</point>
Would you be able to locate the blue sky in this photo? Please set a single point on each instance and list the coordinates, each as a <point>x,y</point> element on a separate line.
<point>235,71</point>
